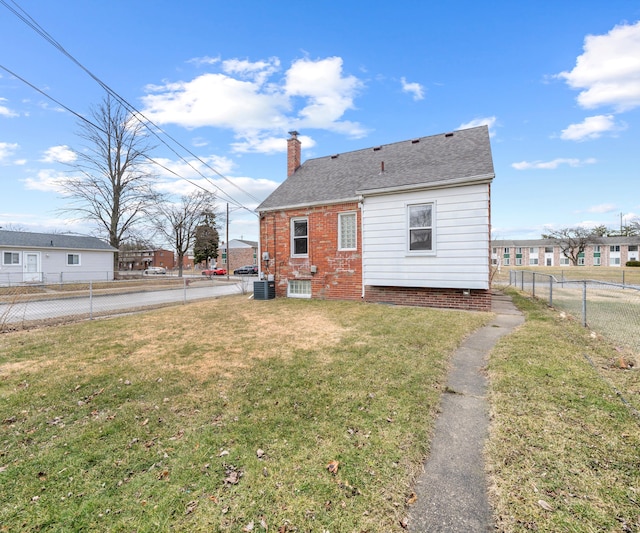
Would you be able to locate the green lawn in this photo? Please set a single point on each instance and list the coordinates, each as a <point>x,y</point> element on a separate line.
<point>222,415</point>
<point>565,433</point>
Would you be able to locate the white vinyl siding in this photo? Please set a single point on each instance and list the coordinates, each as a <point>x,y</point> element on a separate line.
<point>460,257</point>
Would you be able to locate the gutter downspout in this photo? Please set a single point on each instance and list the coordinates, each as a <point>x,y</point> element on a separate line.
<point>361,209</point>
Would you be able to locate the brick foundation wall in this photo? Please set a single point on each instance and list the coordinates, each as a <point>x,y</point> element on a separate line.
<point>476,300</point>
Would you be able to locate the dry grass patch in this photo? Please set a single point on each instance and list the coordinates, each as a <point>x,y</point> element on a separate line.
<point>222,416</point>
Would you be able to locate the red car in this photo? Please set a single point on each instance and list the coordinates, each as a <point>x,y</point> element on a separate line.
<point>214,272</point>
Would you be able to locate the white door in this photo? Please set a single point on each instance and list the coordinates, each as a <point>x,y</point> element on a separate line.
<point>31,267</point>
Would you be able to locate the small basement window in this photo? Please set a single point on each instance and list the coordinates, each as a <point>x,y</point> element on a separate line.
<point>299,288</point>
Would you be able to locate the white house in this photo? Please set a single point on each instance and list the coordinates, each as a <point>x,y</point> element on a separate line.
<point>406,223</point>
<point>53,257</point>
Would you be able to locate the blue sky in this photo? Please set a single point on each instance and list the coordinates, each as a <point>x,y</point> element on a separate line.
<point>558,83</point>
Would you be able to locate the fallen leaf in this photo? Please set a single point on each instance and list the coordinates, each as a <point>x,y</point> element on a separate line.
<point>248,527</point>
<point>404,524</point>
<point>412,498</point>
<point>545,505</point>
<point>191,506</point>
<point>332,467</point>
<point>260,453</point>
<point>145,422</point>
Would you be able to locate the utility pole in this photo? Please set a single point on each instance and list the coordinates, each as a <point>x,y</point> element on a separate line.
<point>227,237</point>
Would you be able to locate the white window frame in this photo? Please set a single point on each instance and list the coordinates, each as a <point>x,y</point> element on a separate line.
<point>294,237</point>
<point>296,288</point>
<point>18,254</point>
<point>344,216</point>
<point>432,228</point>
<point>534,261</point>
<point>73,254</point>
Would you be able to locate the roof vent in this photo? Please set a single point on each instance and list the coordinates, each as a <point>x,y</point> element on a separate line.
<point>415,141</point>
<point>377,148</point>
<point>448,134</point>
<point>335,156</point>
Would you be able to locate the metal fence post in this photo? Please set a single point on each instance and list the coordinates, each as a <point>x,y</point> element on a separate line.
<point>91,300</point>
<point>550,291</point>
<point>533,284</point>
<point>184,284</point>
<point>584,303</point>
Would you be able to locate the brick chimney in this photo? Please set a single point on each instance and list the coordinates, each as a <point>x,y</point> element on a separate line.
<point>293,153</point>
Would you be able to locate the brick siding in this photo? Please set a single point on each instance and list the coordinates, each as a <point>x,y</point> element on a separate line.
<point>476,300</point>
<point>338,273</point>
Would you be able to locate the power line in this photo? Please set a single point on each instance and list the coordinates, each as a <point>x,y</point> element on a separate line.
<point>146,122</point>
<point>97,127</point>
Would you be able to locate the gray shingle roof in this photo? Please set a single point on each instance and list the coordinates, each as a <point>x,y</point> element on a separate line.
<point>452,157</point>
<point>27,239</point>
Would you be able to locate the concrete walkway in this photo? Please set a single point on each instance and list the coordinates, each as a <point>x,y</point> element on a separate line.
<point>452,491</point>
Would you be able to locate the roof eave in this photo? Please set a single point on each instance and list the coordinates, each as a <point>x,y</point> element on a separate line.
<point>306,205</point>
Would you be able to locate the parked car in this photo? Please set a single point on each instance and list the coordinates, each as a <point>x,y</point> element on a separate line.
<point>214,272</point>
<point>251,270</point>
<point>155,270</point>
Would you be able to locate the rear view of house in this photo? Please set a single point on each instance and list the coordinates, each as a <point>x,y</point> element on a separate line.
<point>405,223</point>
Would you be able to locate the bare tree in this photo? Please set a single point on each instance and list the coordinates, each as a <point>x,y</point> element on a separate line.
<point>111,185</point>
<point>572,241</point>
<point>178,222</point>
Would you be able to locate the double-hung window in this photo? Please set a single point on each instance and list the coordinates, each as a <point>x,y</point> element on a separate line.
<point>347,234</point>
<point>299,237</point>
<point>11,258</point>
<point>421,227</point>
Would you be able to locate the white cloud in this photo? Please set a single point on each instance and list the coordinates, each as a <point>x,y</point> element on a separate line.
<point>191,168</point>
<point>206,60</point>
<point>552,165</point>
<point>413,88</point>
<point>59,154</point>
<point>602,208</point>
<point>244,99</point>
<point>7,150</point>
<point>5,111</point>
<point>47,180</point>
<point>608,71</point>
<point>590,128</point>
<point>481,121</point>
<point>259,71</point>
<point>269,145</point>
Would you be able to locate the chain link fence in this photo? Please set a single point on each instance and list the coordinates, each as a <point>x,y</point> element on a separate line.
<point>31,304</point>
<point>610,309</point>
